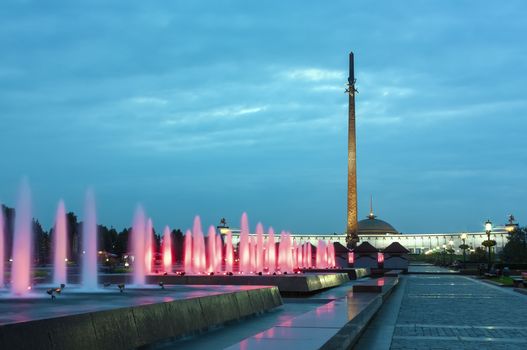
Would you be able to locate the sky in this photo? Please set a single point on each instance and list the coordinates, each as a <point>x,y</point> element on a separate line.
<point>214,108</point>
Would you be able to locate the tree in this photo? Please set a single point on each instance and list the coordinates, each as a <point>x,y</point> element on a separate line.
<point>479,255</point>
<point>515,251</point>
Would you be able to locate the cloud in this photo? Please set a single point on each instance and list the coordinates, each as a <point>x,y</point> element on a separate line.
<point>147,100</point>
<point>314,74</point>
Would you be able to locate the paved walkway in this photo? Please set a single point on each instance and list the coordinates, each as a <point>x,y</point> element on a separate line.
<point>455,312</point>
<point>429,268</point>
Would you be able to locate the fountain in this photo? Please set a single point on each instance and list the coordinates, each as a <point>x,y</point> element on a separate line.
<point>187,263</point>
<point>211,247</point>
<point>259,248</point>
<point>244,254</point>
<point>198,247</point>
<point>89,244</point>
<point>2,248</point>
<point>22,243</point>
<point>149,246</point>
<point>167,250</point>
<point>219,253</point>
<point>60,237</point>
<point>229,253</point>
<point>137,246</point>
<point>271,251</point>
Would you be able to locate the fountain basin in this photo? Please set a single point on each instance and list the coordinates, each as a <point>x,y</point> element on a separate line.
<point>126,320</point>
<point>289,283</point>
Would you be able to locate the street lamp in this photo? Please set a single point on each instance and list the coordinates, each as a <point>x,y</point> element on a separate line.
<point>488,243</point>
<point>464,247</point>
<point>443,253</point>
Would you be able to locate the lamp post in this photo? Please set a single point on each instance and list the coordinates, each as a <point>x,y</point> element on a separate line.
<point>444,253</point>
<point>464,247</point>
<point>488,242</point>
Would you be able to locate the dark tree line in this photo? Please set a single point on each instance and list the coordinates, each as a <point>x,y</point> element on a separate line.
<point>109,239</point>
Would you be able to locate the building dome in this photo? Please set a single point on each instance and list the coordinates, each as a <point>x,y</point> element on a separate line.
<point>374,226</point>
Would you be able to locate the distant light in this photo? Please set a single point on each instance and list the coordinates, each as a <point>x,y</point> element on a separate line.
<point>107,259</point>
<point>66,259</point>
<point>28,287</point>
<point>11,260</point>
<point>464,236</point>
<point>126,264</point>
<point>83,252</point>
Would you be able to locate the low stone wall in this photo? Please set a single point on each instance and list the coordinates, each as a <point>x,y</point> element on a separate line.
<point>303,283</point>
<point>131,327</point>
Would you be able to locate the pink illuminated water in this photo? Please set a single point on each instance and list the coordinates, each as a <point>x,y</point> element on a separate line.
<point>167,250</point>
<point>60,245</point>
<point>198,247</point>
<point>309,257</point>
<point>219,253</point>
<point>89,243</point>
<point>229,254</point>
<point>244,253</point>
<point>256,253</point>
<point>2,247</point>
<point>259,248</point>
<point>138,246</point>
<point>252,250</point>
<point>187,263</point>
<point>271,251</point>
<point>149,246</point>
<point>211,247</point>
<point>22,243</point>
<point>321,262</point>
<point>282,251</point>
<point>331,255</point>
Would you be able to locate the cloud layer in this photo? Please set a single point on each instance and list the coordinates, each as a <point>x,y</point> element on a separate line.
<point>214,109</point>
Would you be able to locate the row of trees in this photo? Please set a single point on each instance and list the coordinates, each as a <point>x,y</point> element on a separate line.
<point>109,239</point>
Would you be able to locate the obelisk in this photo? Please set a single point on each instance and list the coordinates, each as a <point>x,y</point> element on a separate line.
<point>351,230</point>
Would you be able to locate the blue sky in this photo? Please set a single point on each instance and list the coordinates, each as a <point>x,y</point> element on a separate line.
<point>220,107</point>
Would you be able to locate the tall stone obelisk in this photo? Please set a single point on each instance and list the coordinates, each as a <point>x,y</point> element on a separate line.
<point>351,230</point>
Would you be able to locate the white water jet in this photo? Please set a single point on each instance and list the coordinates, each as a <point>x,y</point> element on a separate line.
<point>60,246</point>
<point>259,248</point>
<point>138,246</point>
<point>2,247</point>
<point>149,246</point>
<point>229,254</point>
<point>211,249</point>
<point>89,243</point>
<point>187,264</point>
<point>219,253</point>
<point>244,254</point>
<point>271,251</point>
<point>167,250</point>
